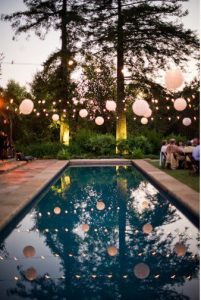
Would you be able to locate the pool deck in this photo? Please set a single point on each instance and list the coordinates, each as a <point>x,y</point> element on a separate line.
<point>23,181</point>
<point>21,184</point>
<point>183,194</point>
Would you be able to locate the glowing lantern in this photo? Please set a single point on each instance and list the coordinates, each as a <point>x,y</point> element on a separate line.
<point>112,250</point>
<point>180,104</point>
<point>57,210</point>
<point>145,204</point>
<point>186,121</point>
<point>100,205</point>
<point>99,120</point>
<point>26,106</point>
<point>30,274</point>
<point>173,79</point>
<point>147,228</point>
<point>55,117</point>
<point>85,227</point>
<point>141,271</point>
<point>111,105</point>
<point>83,113</point>
<point>148,113</point>
<point>29,251</point>
<point>144,121</point>
<point>140,107</point>
<point>180,249</point>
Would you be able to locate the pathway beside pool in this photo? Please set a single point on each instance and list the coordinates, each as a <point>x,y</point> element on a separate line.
<point>19,186</point>
<point>184,194</point>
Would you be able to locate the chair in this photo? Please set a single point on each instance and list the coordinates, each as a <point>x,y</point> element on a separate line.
<point>20,156</point>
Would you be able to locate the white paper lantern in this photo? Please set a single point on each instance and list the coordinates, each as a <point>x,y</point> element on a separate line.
<point>112,250</point>
<point>99,120</point>
<point>140,107</point>
<point>31,274</point>
<point>26,106</point>
<point>144,121</point>
<point>148,113</point>
<point>55,117</point>
<point>180,249</point>
<point>180,104</point>
<point>83,113</point>
<point>111,105</point>
<point>141,271</point>
<point>100,205</point>
<point>29,251</point>
<point>186,121</point>
<point>173,79</point>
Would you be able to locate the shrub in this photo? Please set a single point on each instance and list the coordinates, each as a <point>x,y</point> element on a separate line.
<point>48,150</point>
<point>102,144</point>
<point>63,154</point>
<point>137,153</point>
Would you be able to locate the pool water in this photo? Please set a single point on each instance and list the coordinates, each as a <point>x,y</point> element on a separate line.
<point>101,233</point>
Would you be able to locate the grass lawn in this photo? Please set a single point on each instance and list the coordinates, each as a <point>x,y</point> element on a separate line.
<point>192,181</point>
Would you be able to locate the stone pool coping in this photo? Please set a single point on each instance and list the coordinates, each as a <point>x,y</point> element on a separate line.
<point>185,195</point>
<point>20,186</point>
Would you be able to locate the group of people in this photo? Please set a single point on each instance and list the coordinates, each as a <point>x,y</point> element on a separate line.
<point>7,150</point>
<point>183,156</point>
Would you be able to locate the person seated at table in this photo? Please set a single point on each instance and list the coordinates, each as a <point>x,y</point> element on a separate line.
<point>173,155</point>
<point>163,153</point>
<point>196,157</point>
<point>188,149</point>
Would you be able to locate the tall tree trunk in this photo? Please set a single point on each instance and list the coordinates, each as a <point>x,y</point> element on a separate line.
<point>64,127</point>
<point>121,128</point>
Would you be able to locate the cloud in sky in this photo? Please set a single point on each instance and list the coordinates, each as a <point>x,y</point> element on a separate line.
<point>23,58</point>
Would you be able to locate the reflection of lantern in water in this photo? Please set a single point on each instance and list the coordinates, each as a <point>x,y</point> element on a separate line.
<point>100,205</point>
<point>141,271</point>
<point>30,274</point>
<point>85,227</point>
<point>180,249</point>
<point>112,250</point>
<point>145,204</point>
<point>147,228</point>
<point>57,210</point>
<point>29,251</point>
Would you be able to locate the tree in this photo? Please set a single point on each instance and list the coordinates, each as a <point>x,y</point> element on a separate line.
<point>144,36</point>
<point>61,15</point>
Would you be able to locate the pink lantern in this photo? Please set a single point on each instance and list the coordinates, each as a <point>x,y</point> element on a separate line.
<point>26,106</point>
<point>29,251</point>
<point>83,113</point>
<point>180,249</point>
<point>111,105</point>
<point>30,274</point>
<point>100,205</point>
<point>180,104</point>
<point>99,121</point>
<point>186,121</point>
<point>85,227</point>
<point>140,107</point>
<point>148,113</point>
<point>57,210</point>
<point>173,79</point>
<point>112,250</point>
<point>55,117</point>
<point>141,271</point>
<point>147,228</point>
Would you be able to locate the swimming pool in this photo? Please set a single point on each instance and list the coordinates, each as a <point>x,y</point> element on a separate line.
<point>101,233</point>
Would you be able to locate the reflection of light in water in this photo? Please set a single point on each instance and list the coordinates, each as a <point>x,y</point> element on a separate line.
<point>141,271</point>
<point>147,228</point>
<point>139,196</point>
<point>30,274</point>
<point>180,249</point>
<point>85,227</point>
<point>100,205</point>
<point>57,210</point>
<point>29,251</point>
<point>112,250</point>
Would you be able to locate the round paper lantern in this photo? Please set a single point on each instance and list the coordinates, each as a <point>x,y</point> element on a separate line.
<point>111,105</point>
<point>83,113</point>
<point>145,204</point>
<point>186,121</point>
<point>180,249</point>
<point>30,274</point>
<point>26,106</point>
<point>100,205</point>
<point>29,251</point>
<point>55,117</point>
<point>173,79</point>
<point>180,104</point>
<point>112,250</point>
<point>57,210</point>
<point>141,271</point>
<point>147,228</point>
<point>85,227</point>
<point>99,120</point>
<point>148,113</point>
<point>140,107</point>
<point>144,121</point>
